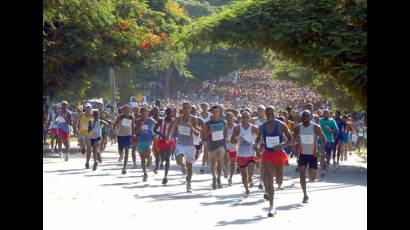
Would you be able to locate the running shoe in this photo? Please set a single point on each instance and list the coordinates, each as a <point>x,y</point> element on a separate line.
<point>271,211</point>
<point>149,162</point>
<point>305,199</point>
<point>266,196</point>
<point>260,186</point>
<point>95,166</point>
<point>124,172</point>
<point>87,166</point>
<point>155,171</point>
<point>66,156</point>
<point>229,181</point>
<point>188,187</point>
<point>201,170</point>
<point>280,187</point>
<point>219,183</point>
<point>214,186</point>
<point>164,181</point>
<point>145,177</point>
<point>246,195</point>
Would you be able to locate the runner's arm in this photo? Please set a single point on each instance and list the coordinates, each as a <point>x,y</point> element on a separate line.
<point>194,127</point>
<point>322,137</point>
<point>289,137</point>
<point>258,139</point>
<point>235,134</point>
<point>172,128</point>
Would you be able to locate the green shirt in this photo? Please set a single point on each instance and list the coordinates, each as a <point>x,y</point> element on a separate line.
<point>325,124</point>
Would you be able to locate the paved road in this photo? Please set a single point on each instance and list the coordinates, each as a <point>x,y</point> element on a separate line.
<point>77,198</point>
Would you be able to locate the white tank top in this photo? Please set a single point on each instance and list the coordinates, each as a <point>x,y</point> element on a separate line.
<point>246,147</point>
<point>206,119</point>
<point>230,147</point>
<point>259,122</point>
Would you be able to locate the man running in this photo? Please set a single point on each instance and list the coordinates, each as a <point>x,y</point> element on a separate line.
<point>125,124</point>
<point>52,126</point>
<point>165,146</point>
<point>214,133</point>
<point>329,127</point>
<point>96,134</point>
<point>104,116</point>
<point>339,142</point>
<point>64,120</point>
<point>154,114</point>
<point>204,116</point>
<point>144,130</point>
<point>134,139</point>
<point>246,152</point>
<point>187,126</point>
<point>231,148</point>
<point>258,121</point>
<point>273,158</point>
<point>84,135</point>
<point>306,134</point>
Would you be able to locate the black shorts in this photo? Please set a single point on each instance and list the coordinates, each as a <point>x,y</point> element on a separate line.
<point>305,160</point>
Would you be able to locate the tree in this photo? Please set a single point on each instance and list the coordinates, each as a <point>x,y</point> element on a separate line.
<point>329,37</point>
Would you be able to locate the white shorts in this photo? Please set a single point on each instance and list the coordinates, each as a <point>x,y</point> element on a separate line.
<point>187,151</point>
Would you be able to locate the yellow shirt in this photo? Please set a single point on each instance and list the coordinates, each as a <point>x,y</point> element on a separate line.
<point>84,122</point>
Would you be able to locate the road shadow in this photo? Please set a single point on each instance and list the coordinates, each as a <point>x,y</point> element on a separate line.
<point>241,221</point>
<point>94,175</point>
<point>288,207</point>
<point>172,196</point>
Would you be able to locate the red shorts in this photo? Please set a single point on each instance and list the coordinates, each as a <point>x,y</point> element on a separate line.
<point>54,131</point>
<point>231,154</point>
<point>163,145</point>
<point>65,136</point>
<point>244,161</point>
<point>134,139</point>
<point>276,158</point>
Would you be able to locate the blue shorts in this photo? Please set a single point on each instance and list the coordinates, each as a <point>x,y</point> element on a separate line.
<point>123,142</point>
<point>346,138</point>
<point>340,137</point>
<point>329,147</point>
<point>142,146</point>
<point>310,160</point>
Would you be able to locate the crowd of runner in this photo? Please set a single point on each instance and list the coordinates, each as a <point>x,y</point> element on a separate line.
<point>224,139</point>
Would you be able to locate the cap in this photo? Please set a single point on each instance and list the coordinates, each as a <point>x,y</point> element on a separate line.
<point>88,105</point>
<point>261,107</point>
<point>64,102</point>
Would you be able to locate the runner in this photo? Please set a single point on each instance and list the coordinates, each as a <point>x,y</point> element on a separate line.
<point>96,134</point>
<point>231,148</point>
<point>134,139</point>
<point>204,116</point>
<point>165,146</point>
<point>258,121</point>
<point>52,126</point>
<point>273,158</point>
<point>154,114</point>
<point>64,121</point>
<point>346,138</point>
<point>197,138</point>
<point>214,133</point>
<point>104,116</point>
<point>306,134</point>
<point>339,140</point>
<point>360,129</point>
<point>329,126</point>
<point>246,152</point>
<point>125,124</point>
<point>187,125</point>
<point>144,130</point>
<point>84,135</point>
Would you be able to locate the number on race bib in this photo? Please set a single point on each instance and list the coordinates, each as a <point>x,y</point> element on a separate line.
<point>84,126</point>
<point>217,135</point>
<point>272,141</point>
<point>126,122</point>
<point>306,139</point>
<point>183,130</point>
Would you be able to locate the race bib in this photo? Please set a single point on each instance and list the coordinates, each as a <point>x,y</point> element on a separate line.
<point>306,139</point>
<point>365,135</point>
<point>84,126</point>
<point>360,134</point>
<point>183,130</point>
<point>217,135</point>
<point>60,119</point>
<point>126,122</point>
<point>272,141</point>
<point>144,127</point>
<point>229,138</point>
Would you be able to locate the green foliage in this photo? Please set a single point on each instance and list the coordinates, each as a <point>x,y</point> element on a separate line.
<point>82,37</point>
<point>329,37</point>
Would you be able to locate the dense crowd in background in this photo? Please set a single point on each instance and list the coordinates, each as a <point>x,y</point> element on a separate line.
<point>250,88</point>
